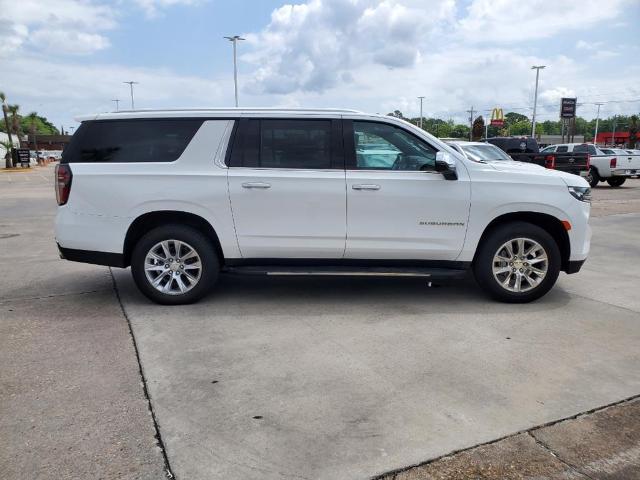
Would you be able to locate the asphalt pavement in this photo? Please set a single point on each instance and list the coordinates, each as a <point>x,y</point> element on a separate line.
<point>332,378</point>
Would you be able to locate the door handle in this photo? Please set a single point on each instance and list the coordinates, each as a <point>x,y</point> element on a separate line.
<point>365,186</point>
<point>256,185</point>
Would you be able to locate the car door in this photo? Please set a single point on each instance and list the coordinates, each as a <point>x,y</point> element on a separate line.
<point>287,188</point>
<point>398,206</point>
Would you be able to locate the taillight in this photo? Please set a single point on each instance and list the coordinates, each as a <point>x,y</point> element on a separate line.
<point>613,162</point>
<point>63,183</point>
<point>550,161</point>
<point>588,161</point>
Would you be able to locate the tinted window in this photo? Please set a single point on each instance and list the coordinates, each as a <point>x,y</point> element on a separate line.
<point>562,149</point>
<point>584,148</point>
<point>380,146</point>
<point>123,141</point>
<point>295,144</point>
<point>304,144</point>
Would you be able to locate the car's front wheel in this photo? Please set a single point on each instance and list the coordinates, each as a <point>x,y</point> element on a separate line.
<point>517,263</point>
<point>616,181</point>
<point>174,265</point>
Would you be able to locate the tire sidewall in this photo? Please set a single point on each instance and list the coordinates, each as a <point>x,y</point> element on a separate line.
<point>484,261</point>
<point>594,178</point>
<point>198,241</point>
<point>616,182</point>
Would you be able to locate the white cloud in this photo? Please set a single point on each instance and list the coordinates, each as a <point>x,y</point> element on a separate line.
<point>64,26</point>
<point>313,46</point>
<point>153,7</point>
<point>507,21</point>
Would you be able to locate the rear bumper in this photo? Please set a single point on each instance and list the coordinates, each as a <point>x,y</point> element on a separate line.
<point>574,266</point>
<point>89,256</point>
<point>625,172</point>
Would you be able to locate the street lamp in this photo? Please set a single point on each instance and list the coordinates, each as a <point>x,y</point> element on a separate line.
<point>235,40</point>
<point>535,99</point>
<point>117,102</point>
<point>421,99</point>
<point>131,84</point>
<point>595,135</point>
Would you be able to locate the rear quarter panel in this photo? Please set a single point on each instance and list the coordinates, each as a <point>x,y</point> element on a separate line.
<point>107,197</point>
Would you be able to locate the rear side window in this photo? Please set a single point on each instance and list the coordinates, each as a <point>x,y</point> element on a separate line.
<point>585,148</point>
<point>287,144</point>
<point>562,149</point>
<point>126,141</point>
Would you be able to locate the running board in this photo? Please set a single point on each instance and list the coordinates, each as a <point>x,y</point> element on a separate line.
<point>271,270</point>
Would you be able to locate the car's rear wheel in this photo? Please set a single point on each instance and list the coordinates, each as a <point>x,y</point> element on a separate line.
<point>616,181</point>
<point>517,263</point>
<point>593,178</point>
<point>174,265</point>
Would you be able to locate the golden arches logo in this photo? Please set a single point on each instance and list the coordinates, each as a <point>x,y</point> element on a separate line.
<point>497,117</point>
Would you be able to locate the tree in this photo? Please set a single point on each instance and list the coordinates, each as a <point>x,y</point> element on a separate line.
<point>397,114</point>
<point>633,131</point>
<point>521,127</point>
<point>15,120</point>
<point>460,131</point>
<point>7,159</point>
<point>478,128</point>
<point>512,117</point>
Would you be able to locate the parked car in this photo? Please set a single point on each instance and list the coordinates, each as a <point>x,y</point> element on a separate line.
<point>525,149</point>
<point>181,196</point>
<point>611,165</point>
<point>485,152</point>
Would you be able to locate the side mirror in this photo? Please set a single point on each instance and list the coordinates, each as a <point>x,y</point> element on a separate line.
<point>446,165</point>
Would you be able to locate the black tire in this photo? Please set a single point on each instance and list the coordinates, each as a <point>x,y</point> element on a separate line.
<point>616,182</point>
<point>210,265</point>
<point>483,263</point>
<point>593,177</point>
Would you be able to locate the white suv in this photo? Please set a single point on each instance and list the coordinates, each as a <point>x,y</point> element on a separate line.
<point>181,196</point>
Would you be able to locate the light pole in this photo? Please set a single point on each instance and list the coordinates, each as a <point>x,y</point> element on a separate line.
<point>535,99</point>
<point>131,84</point>
<point>595,135</point>
<point>421,99</point>
<point>117,101</point>
<point>613,135</point>
<point>235,40</point>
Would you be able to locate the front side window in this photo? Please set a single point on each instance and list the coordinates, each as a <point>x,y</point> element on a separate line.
<point>562,149</point>
<point>549,149</point>
<point>126,141</point>
<point>380,146</point>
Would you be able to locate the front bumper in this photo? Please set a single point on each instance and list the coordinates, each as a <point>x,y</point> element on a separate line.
<point>574,266</point>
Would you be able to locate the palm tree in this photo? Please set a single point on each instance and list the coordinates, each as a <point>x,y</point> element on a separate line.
<point>7,157</point>
<point>8,160</point>
<point>15,119</point>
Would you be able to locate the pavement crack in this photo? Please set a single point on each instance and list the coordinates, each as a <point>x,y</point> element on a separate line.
<point>145,389</point>
<point>549,450</point>
<point>54,295</point>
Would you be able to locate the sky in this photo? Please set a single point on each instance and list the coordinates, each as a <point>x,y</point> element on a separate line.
<point>64,58</point>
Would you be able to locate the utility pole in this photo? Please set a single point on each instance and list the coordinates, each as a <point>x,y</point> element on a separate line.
<point>470,112</point>
<point>235,40</point>
<point>420,122</point>
<point>613,135</point>
<point>117,101</point>
<point>535,99</point>
<point>595,135</point>
<point>131,84</point>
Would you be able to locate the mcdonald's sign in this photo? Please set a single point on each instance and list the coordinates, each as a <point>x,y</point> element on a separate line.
<point>497,118</point>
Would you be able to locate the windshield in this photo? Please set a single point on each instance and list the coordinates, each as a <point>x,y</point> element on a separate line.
<point>485,153</point>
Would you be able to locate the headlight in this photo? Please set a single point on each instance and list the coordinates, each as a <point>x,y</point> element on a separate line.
<point>581,193</point>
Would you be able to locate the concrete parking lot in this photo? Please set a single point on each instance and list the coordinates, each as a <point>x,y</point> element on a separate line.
<point>332,378</point>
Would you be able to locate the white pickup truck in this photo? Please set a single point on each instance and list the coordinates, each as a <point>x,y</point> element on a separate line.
<point>611,165</point>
